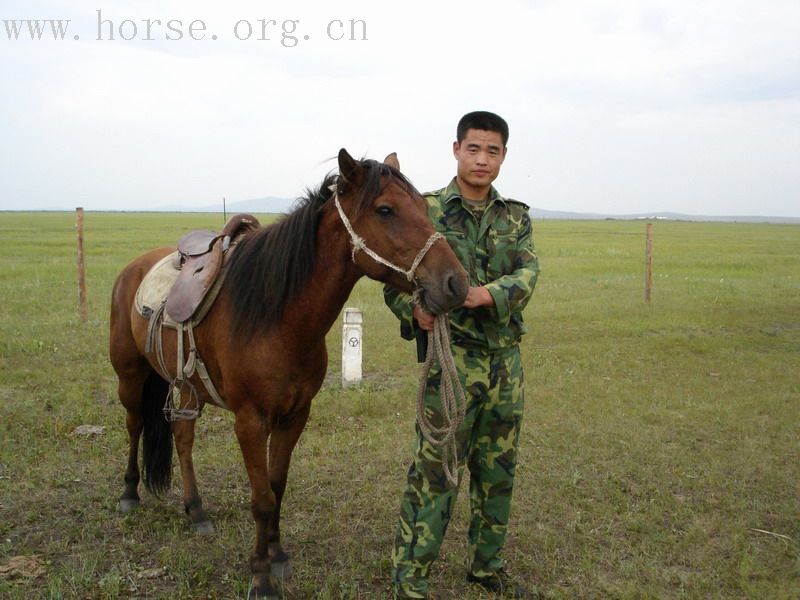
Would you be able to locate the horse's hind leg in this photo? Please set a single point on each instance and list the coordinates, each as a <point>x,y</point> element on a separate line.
<point>130,496</point>
<point>281,444</point>
<point>130,395</point>
<point>184,440</point>
<point>142,393</point>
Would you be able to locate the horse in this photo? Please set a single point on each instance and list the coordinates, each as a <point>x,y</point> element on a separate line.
<point>263,339</point>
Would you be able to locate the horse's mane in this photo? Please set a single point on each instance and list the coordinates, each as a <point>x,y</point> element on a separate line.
<point>273,264</point>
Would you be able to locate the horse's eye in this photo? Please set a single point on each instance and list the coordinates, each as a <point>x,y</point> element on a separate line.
<point>384,211</point>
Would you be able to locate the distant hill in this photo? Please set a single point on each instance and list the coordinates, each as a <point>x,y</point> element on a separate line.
<point>267,204</point>
<point>539,213</point>
<point>276,205</point>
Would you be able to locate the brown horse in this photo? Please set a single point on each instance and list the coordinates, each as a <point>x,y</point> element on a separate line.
<point>263,341</point>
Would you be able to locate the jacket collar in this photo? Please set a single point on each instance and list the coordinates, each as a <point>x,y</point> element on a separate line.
<point>452,192</point>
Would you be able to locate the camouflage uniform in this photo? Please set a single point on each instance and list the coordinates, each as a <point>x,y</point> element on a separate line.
<point>496,249</point>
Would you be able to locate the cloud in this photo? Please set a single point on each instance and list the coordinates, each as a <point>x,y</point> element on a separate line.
<point>614,106</point>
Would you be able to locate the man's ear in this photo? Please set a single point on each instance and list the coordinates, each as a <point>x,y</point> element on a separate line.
<point>392,161</point>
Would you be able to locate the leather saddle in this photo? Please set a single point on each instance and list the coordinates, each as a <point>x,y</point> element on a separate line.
<point>202,255</point>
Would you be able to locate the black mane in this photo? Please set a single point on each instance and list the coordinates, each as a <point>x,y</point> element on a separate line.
<point>272,265</point>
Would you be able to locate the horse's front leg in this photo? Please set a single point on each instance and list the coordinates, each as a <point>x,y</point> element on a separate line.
<point>252,431</point>
<point>281,443</point>
<point>184,440</point>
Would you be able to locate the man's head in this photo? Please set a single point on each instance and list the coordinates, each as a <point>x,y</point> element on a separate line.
<point>485,121</point>
<point>480,149</point>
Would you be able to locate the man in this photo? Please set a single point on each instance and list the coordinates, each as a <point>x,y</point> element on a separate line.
<point>491,236</point>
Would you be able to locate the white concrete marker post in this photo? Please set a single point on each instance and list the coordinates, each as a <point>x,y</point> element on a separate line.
<point>351,346</point>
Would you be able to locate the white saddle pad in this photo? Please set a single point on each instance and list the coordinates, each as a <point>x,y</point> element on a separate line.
<point>156,285</point>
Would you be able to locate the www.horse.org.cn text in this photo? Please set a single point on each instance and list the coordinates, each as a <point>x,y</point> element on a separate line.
<point>286,32</point>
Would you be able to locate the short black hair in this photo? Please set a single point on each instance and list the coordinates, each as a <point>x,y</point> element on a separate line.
<point>483,120</point>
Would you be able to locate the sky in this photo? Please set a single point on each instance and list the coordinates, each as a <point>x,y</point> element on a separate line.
<point>614,106</point>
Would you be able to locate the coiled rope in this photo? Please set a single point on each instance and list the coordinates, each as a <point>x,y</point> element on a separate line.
<point>454,404</point>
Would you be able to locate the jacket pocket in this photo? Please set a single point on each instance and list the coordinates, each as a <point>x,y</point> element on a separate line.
<point>502,254</point>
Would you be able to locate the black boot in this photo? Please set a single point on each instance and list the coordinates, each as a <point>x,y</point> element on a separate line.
<point>502,584</point>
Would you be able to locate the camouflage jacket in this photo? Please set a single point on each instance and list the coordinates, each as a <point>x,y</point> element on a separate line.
<point>497,252</point>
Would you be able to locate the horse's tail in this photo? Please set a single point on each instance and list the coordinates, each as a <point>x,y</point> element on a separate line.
<point>157,436</point>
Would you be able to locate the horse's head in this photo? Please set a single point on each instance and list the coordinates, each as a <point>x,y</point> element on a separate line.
<point>390,219</point>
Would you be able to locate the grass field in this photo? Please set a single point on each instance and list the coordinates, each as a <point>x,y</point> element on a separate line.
<point>660,454</point>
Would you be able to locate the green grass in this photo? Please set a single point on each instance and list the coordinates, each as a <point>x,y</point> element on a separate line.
<point>658,439</point>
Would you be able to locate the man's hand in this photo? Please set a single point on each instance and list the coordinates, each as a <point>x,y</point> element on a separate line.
<point>478,296</point>
<point>424,320</point>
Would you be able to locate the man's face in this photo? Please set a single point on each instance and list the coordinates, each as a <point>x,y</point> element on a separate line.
<point>479,157</point>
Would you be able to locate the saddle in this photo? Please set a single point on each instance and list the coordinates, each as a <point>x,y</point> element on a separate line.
<point>201,255</point>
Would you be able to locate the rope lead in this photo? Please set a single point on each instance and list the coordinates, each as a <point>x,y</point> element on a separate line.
<point>454,404</point>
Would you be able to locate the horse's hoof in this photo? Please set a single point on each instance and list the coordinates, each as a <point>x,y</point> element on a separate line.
<point>264,591</point>
<point>204,528</point>
<point>126,505</point>
<point>281,570</point>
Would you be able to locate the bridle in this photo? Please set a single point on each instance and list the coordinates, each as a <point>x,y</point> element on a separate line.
<point>359,244</point>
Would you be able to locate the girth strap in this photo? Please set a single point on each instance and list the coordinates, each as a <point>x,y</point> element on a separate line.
<point>195,363</point>
<point>185,368</point>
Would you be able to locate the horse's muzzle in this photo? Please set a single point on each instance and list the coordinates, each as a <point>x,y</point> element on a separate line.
<point>445,294</point>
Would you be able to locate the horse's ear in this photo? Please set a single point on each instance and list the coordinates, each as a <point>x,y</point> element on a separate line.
<point>348,166</point>
<point>392,161</point>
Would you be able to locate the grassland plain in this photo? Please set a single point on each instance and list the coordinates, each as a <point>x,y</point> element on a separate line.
<point>659,454</point>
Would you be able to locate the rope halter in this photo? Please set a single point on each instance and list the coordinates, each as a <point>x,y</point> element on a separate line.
<point>359,244</point>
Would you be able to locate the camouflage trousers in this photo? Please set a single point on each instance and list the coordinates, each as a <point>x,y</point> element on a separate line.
<point>487,445</point>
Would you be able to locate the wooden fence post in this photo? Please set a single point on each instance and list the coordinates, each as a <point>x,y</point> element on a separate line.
<point>84,308</point>
<point>648,262</point>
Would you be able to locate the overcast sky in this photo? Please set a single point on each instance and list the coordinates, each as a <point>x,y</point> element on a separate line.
<point>614,106</point>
